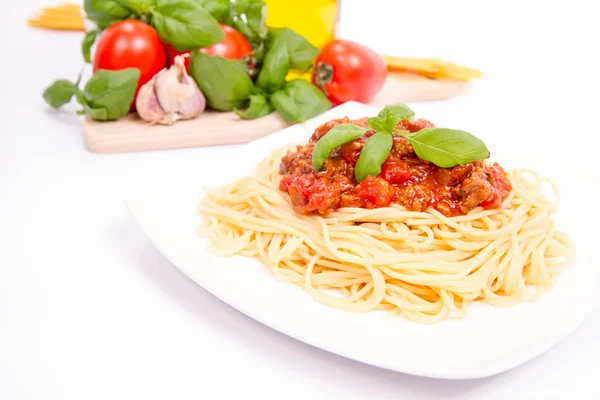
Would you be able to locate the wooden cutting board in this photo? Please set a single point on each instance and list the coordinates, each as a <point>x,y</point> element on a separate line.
<point>131,134</point>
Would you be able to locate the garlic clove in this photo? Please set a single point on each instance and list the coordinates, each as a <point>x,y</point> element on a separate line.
<point>169,96</point>
<point>146,103</point>
<point>177,92</point>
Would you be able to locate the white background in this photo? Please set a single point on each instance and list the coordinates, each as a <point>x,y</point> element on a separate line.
<point>89,310</point>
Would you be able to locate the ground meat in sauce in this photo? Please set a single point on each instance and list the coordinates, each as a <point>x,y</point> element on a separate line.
<point>405,179</point>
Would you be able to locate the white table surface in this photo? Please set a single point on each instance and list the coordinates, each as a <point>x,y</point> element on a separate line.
<point>89,310</point>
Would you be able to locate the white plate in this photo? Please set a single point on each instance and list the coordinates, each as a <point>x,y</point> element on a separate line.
<point>488,341</point>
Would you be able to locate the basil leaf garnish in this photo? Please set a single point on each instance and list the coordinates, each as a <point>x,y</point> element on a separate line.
<point>337,136</point>
<point>372,156</point>
<point>108,94</point>
<point>185,24</point>
<point>259,107</point>
<point>225,83</point>
<point>299,100</point>
<point>392,114</point>
<point>447,147</point>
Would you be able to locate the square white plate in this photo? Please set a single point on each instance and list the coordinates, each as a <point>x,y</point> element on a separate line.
<point>487,341</point>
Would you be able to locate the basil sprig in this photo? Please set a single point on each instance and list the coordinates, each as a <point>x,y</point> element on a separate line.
<point>107,95</point>
<point>285,49</point>
<point>296,100</point>
<point>443,147</point>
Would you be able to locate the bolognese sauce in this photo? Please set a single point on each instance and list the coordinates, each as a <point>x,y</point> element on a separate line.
<point>405,179</point>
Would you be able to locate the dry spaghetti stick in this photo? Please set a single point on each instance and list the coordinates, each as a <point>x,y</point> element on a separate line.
<point>63,17</point>
<point>432,68</point>
<point>57,24</point>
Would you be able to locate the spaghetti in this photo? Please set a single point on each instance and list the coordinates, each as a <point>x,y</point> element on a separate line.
<point>423,265</point>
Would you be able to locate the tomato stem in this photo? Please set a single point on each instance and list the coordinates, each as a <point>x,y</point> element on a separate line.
<point>323,75</point>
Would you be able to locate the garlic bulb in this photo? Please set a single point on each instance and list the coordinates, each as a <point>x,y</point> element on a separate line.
<point>170,95</point>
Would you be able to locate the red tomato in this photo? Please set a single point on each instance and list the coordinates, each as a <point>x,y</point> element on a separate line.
<point>130,44</point>
<point>347,71</point>
<point>233,47</point>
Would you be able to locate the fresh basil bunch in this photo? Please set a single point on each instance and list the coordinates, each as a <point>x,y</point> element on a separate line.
<point>225,83</point>
<point>443,147</point>
<point>227,87</point>
<point>107,95</point>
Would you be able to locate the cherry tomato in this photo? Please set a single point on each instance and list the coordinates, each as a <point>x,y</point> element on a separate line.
<point>130,44</point>
<point>233,47</point>
<point>346,71</point>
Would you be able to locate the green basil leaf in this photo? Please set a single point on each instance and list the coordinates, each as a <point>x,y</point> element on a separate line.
<point>337,136</point>
<point>259,107</point>
<point>377,123</point>
<point>392,114</point>
<point>220,9</point>
<point>249,17</point>
<point>285,49</point>
<point>87,43</point>
<point>225,83</point>
<point>185,24</point>
<point>108,94</point>
<point>59,93</point>
<point>276,64</point>
<point>105,12</point>
<point>372,156</point>
<point>301,53</point>
<point>447,147</point>
<point>299,100</point>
